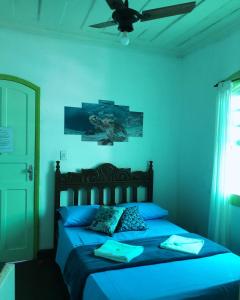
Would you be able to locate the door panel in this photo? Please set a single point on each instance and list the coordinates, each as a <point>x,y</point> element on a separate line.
<point>11,172</point>
<point>18,121</point>
<point>15,219</point>
<point>17,111</point>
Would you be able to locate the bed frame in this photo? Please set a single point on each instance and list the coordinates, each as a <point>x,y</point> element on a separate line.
<point>99,178</point>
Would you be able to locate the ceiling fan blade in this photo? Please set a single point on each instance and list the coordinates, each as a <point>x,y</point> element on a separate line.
<point>104,24</point>
<point>167,11</point>
<point>115,4</point>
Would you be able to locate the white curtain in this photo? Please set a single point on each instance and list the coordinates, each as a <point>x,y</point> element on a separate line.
<point>219,218</point>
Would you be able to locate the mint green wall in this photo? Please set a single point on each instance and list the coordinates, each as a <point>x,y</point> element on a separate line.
<point>71,72</point>
<point>176,96</point>
<point>197,118</point>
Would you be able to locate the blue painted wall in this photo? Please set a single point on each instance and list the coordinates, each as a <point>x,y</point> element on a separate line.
<point>197,114</point>
<point>70,73</point>
<point>176,96</point>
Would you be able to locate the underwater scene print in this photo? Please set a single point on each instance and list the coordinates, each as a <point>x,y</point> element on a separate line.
<point>104,122</point>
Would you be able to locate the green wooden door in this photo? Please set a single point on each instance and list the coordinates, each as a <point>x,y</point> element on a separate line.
<point>17,112</point>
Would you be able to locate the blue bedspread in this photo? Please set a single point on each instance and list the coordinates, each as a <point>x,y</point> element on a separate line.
<point>72,237</point>
<point>82,262</point>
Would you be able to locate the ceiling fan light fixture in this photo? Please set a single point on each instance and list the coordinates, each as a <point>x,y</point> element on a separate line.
<point>124,17</point>
<point>124,39</point>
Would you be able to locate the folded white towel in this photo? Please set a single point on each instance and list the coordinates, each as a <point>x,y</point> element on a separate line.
<point>183,244</point>
<point>118,251</point>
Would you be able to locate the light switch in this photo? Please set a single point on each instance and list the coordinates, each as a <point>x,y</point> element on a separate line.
<point>63,155</point>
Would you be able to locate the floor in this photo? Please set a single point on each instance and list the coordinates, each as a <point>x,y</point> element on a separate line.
<point>39,280</point>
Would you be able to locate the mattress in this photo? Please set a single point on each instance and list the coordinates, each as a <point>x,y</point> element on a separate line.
<point>212,278</point>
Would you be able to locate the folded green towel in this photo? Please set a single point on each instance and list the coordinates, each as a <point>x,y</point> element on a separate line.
<point>118,251</point>
<point>183,244</point>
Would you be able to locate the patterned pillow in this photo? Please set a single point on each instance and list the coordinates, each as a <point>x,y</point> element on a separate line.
<point>106,219</point>
<point>131,220</point>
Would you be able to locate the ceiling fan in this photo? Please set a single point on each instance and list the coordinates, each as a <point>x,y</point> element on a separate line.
<point>124,16</point>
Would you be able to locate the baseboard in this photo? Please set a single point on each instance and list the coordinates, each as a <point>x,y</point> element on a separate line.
<point>46,254</point>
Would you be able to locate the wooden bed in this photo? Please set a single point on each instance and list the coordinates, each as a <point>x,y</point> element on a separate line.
<point>181,278</point>
<point>104,176</point>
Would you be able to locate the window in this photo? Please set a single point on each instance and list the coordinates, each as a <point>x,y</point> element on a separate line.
<point>233,170</point>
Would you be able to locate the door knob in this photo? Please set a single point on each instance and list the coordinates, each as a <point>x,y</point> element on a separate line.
<point>30,172</point>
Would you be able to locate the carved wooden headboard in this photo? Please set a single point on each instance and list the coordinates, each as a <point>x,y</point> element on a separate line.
<point>99,178</point>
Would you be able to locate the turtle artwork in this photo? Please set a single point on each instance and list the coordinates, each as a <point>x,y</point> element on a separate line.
<point>105,122</point>
<point>114,131</point>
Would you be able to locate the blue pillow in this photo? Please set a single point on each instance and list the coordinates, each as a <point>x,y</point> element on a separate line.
<point>148,210</point>
<point>131,220</point>
<point>81,215</point>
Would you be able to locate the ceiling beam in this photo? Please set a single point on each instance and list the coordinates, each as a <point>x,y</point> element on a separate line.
<point>88,13</point>
<point>39,10</point>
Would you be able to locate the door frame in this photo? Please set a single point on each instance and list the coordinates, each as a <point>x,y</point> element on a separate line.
<point>36,88</point>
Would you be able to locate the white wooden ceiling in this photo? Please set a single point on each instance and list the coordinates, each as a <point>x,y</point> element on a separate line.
<point>178,35</point>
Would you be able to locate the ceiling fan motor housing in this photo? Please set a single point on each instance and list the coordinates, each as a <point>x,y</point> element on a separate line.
<point>125,17</point>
